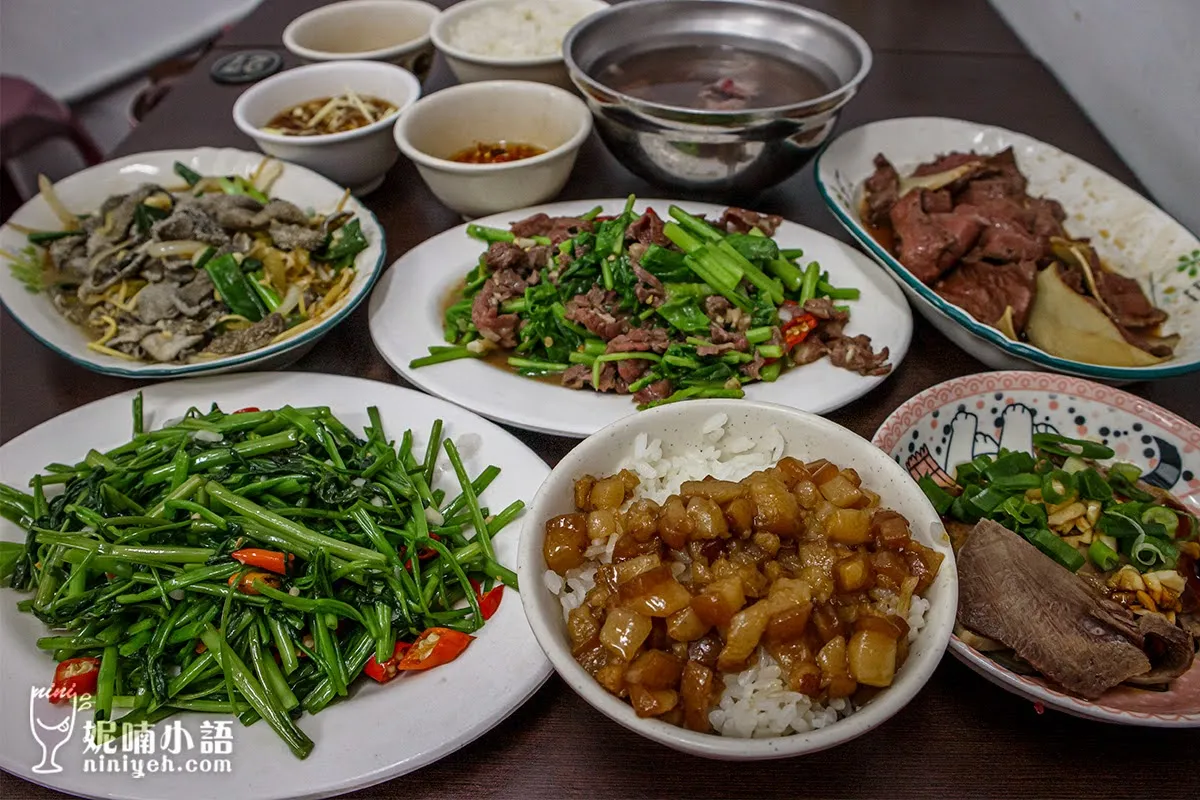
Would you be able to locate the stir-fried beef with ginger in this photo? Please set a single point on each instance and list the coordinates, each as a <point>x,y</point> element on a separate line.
<point>799,559</point>
<point>214,268</point>
<point>966,225</point>
<point>661,308</point>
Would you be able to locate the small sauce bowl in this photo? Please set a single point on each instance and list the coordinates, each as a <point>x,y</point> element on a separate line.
<point>447,122</point>
<point>356,158</point>
<point>396,31</point>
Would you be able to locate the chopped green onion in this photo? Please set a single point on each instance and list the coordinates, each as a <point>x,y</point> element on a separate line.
<point>1066,446</point>
<point>1058,486</point>
<point>1164,516</point>
<point>1056,548</point>
<point>939,497</point>
<point>1104,557</point>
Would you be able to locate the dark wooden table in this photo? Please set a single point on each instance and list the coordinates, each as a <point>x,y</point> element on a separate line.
<point>961,736</point>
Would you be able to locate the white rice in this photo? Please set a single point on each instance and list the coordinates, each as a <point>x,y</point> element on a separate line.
<point>520,29</point>
<point>755,702</point>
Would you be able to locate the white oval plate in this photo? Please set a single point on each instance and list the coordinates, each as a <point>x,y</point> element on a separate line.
<point>1132,235</point>
<point>406,318</point>
<point>84,191</point>
<point>378,733</point>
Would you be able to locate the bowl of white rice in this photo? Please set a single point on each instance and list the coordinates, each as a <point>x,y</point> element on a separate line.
<point>485,40</point>
<point>756,716</point>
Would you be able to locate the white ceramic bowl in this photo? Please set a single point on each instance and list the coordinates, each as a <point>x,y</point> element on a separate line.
<point>808,437</point>
<point>396,31</point>
<point>514,111</point>
<point>1130,233</point>
<point>85,191</point>
<point>357,158</point>
<point>469,67</point>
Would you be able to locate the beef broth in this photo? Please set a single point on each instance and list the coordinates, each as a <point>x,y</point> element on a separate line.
<point>718,78</point>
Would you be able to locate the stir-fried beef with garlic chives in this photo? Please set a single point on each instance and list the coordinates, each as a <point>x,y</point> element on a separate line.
<point>178,275</point>
<point>661,310</point>
<point>253,563</point>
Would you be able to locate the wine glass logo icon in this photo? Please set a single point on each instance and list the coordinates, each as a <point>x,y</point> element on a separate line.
<point>51,726</point>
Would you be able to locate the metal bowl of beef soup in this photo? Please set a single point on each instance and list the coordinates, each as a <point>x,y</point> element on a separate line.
<point>723,97</point>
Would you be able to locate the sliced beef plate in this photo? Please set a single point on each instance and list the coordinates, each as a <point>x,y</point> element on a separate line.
<point>1004,241</point>
<point>1124,296</point>
<point>985,290</point>
<point>882,191</point>
<point>945,163</point>
<point>929,244</point>
<point>937,202</point>
<point>1054,619</point>
<point>1048,217</point>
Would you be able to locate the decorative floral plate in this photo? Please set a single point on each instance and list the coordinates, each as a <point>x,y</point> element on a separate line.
<point>955,421</point>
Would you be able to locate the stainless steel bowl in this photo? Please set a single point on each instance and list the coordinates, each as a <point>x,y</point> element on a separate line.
<point>718,153</point>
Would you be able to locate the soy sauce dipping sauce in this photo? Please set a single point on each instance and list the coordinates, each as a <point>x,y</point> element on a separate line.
<point>496,152</point>
<point>712,77</point>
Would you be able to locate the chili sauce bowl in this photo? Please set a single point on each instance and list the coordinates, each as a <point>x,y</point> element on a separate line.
<point>452,120</point>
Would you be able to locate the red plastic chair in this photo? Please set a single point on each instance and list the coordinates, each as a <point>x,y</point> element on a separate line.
<point>29,116</point>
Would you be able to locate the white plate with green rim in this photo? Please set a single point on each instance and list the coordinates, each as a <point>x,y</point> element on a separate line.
<point>1131,234</point>
<point>84,191</point>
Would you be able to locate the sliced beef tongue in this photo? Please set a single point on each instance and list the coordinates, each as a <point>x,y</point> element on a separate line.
<point>985,290</point>
<point>930,244</point>
<point>485,308</point>
<point>598,312</point>
<point>1054,619</point>
<point>882,191</point>
<point>1169,648</point>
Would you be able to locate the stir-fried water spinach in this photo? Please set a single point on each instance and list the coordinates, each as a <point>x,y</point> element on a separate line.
<point>253,563</point>
<point>665,311</point>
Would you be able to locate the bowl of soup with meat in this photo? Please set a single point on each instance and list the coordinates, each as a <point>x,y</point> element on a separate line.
<point>725,97</point>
